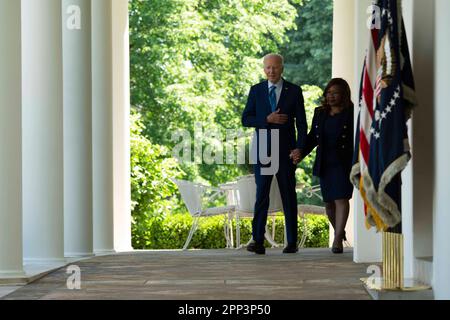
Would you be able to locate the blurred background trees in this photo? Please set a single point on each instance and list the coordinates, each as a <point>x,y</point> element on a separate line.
<point>193,61</point>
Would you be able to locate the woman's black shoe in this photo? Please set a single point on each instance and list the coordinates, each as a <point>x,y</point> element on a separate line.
<point>338,246</point>
<point>337,250</point>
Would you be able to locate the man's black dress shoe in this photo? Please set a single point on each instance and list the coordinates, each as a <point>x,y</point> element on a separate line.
<point>291,248</point>
<point>257,248</point>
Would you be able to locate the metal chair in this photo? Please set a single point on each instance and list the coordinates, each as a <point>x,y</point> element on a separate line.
<point>194,196</point>
<point>245,195</point>
<point>303,209</point>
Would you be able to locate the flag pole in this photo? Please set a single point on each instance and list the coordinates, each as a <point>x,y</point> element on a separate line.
<point>381,149</point>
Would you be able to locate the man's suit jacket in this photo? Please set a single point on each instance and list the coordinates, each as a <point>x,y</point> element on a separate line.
<point>291,103</point>
<point>345,140</point>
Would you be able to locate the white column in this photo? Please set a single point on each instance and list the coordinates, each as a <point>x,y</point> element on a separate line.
<point>350,41</point>
<point>343,67</point>
<point>77,128</point>
<point>367,243</point>
<point>441,219</point>
<point>417,178</point>
<point>102,126</point>
<point>10,141</point>
<point>344,40</point>
<point>121,127</point>
<point>42,80</point>
<point>407,174</point>
<point>423,127</point>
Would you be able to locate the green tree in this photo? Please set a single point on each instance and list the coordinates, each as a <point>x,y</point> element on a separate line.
<point>194,61</point>
<point>309,51</point>
<point>151,189</point>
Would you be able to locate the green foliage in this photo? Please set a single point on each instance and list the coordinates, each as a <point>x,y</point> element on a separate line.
<point>309,50</point>
<point>151,190</point>
<point>171,232</point>
<point>195,60</point>
<point>317,231</point>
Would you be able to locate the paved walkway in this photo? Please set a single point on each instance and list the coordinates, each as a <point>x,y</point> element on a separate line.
<point>207,274</point>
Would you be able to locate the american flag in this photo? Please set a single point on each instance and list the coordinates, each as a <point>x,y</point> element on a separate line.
<point>386,100</point>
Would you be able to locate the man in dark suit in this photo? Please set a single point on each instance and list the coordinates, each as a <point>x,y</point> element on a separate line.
<point>276,104</point>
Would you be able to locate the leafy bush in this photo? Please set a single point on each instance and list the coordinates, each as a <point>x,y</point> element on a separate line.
<point>316,230</point>
<point>151,189</point>
<point>171,231</point>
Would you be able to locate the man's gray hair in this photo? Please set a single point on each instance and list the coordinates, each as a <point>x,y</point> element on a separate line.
<point>270,55</point>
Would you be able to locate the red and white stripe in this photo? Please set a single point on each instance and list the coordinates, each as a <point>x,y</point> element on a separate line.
<point>368,101</point>
<point>368,104</point>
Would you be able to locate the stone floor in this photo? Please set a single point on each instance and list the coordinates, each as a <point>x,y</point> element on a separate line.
<point>206,275</point>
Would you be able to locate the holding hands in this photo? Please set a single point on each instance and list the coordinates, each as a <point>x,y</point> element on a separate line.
<point>277,118</point>
<point>296,156</point>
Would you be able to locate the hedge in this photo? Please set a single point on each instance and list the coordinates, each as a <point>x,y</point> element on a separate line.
<point>171,231</point>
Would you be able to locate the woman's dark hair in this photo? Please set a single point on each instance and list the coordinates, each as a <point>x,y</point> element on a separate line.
<point>345,91</point>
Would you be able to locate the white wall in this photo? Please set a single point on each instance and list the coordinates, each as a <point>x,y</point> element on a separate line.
<point>441,219</point>
<point>423,127</point>
<point>350,40</point>
<point>407,174</point>
<point>418,185</point>
<point>367,242</point>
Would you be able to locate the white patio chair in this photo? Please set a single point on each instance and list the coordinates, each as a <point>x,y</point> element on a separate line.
<point>245,204</point>
<point>193,195</point>
<point>304,209</point>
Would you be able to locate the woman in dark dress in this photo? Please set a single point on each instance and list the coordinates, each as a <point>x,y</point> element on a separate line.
<point>332,134</point>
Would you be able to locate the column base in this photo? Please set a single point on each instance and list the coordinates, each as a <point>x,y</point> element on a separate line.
<point>79,254</point>
<point>5,276</point>
<point>32,272</point>
<point>36,266</point>
<point>124,249</point>
<point>44,261</point>
<point>104,252</point>
<point>411,290</point>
